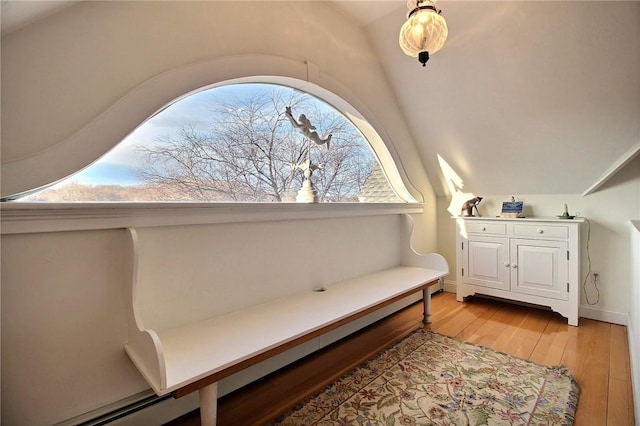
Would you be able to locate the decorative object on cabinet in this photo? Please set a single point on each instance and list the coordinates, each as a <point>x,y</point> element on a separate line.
<point>469,205</point>
<point>565,214</point>
<point>512,209</point>
<point>532,260</point>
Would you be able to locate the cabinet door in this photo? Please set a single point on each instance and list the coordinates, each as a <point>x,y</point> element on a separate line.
<point>539,268</point>
<point>487,262</point>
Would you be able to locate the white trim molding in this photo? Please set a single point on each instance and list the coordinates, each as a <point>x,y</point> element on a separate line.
<point>26,218</point>
<point>449,286</point>
<point>604,315</point>
<point>587,312</point>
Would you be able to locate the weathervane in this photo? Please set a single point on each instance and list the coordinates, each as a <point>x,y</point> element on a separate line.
<point>307,193</point>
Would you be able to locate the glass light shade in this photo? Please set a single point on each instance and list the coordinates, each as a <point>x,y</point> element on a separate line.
<point>424,31</point>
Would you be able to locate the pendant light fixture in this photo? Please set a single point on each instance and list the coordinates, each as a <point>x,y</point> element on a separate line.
<point>425,30</point>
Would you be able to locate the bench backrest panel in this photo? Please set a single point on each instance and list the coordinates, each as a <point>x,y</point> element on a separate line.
<point>187,274</point>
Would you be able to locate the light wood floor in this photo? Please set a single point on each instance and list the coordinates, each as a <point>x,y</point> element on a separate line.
<point>597,354</point>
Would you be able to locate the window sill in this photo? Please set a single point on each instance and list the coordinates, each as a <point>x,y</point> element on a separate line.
<point>25,218</point>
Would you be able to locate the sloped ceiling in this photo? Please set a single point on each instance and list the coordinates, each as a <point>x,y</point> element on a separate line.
<point>525,97</point>
<point>16,14</point>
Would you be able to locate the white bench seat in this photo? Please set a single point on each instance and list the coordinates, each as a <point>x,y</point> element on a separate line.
<point>185,333</point>
<point>195,351</point>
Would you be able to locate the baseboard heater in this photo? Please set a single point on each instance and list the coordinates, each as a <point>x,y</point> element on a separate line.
<point>116,410</point>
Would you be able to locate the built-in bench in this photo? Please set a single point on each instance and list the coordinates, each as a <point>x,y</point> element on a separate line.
<point>209,301</point>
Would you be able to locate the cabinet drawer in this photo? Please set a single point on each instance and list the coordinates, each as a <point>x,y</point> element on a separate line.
<point>486,228</point>
<point>549,231</point>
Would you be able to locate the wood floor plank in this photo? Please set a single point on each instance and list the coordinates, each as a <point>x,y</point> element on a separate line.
<point>588,360</point>
<point>524,333</point>
<point>481,311</point>
<point>552,343</point>
<point>620,394</point>
<point>619,359</point>
<point>596,353</point>
<point>461,318</point>
<point>496,329</point>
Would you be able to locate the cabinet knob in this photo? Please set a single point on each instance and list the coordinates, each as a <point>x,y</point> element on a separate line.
<point>483,228</point>
<point>540,231</point>
<point>514,266</point>
<point>506,264</point>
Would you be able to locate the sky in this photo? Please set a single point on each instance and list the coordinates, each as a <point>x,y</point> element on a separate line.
<point>118,166</point>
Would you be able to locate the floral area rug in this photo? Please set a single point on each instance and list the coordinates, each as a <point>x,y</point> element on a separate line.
<point>431,379</point>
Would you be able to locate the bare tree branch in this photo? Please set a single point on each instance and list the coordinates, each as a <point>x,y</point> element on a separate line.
<point>247,152</point>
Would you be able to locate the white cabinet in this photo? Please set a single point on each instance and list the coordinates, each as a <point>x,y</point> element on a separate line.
<point>528,260</point>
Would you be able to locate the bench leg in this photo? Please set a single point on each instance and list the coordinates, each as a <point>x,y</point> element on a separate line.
<point>426,298</point>
<point>209,404</point>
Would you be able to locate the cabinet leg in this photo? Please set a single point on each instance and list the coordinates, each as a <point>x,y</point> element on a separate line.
<point>426,298</point>
<point>209,404</point>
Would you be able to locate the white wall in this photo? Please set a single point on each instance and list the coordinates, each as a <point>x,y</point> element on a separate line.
<point>608,210</point>
<point>63,325</point>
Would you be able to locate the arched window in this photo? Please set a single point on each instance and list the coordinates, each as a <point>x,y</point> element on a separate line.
<point>243,142</point>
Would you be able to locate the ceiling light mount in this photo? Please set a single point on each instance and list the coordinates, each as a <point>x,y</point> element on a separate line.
<point>425,30</point>
<point>422,6</point>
